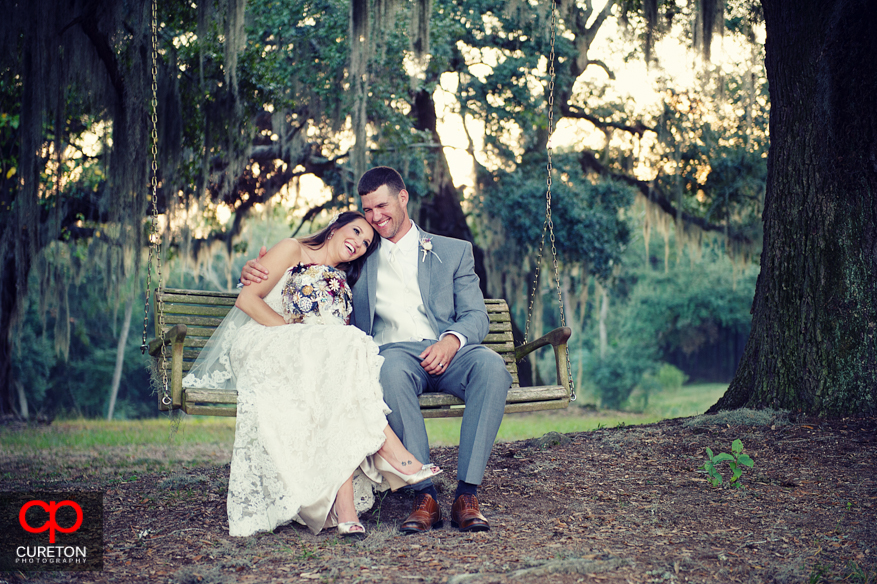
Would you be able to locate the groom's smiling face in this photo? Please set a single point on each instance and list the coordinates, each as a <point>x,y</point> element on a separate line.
<point>387,212</point>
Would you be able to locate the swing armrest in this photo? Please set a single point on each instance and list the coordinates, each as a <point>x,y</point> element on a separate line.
<point>175,337</point>
<point>557,339</point>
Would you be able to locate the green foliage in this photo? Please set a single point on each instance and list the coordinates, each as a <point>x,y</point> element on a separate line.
<point>685,308</point>
<point>8,152</point>
<point>655,316</point>
<point>659,315</point>
<point>615,376</point>
<point>79,385</point>
<point>293,95</point>
<point>736,461</point>
<point>667,378</point>
<point>34,359</point>
<point>719,155</point>
<point>670,378</point>
<point>588,225</point>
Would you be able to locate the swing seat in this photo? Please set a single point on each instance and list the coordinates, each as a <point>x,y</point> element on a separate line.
<point>191,317</point>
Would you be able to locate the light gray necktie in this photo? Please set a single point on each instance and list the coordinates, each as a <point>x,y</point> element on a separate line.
<point>395,262</point>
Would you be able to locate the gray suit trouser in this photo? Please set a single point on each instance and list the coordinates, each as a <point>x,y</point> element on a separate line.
<point>476,375</point>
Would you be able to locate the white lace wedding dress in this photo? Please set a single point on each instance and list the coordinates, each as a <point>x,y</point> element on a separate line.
<point>310,409</point>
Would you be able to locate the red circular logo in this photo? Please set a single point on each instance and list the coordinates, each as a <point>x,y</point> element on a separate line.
<point>51,524</point>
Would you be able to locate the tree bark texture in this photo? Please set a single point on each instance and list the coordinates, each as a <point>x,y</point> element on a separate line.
<point>7,309</point>
<point>813,345</point>
<point>443,213</point>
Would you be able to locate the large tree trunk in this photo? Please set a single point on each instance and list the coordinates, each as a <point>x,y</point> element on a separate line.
<point>813,346</point>
<point>443,215</point>
<point>7,311</point>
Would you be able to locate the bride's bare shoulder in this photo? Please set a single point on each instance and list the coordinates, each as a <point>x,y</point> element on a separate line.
<point>289,248</point>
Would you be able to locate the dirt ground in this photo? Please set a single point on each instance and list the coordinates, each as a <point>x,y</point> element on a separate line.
<point>613,505</point>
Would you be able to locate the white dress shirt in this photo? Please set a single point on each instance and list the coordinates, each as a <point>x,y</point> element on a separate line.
<point>400,314</point>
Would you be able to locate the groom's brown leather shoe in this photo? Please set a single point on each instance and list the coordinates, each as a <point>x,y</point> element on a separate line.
<point>466,516</point>
<point>425,515</point>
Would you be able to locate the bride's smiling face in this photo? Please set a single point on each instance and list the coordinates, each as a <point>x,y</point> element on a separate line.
<point>352,240</point>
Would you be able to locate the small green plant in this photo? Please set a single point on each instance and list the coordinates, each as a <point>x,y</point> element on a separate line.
<point>856,573</point>
<point>817,574</point>
<point>852,572</point>
<point>306,553</point>
<point>736,460</point>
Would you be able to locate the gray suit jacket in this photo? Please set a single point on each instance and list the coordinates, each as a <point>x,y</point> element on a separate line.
<point>448,285</point>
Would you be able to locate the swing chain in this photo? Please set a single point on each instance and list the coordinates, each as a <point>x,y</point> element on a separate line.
<point>149,258</point>
<point>535,285</point>
<point>551,75</point>
<point>549,223</point>
<point>154,235</point>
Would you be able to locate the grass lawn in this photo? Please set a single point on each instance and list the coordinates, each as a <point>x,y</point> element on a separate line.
<point>88,434</point>
<point>117,451</point>
<point>203,438</point>
<point>690,400</point>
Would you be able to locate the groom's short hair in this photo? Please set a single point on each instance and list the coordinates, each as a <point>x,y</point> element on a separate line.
<point>379,176</point>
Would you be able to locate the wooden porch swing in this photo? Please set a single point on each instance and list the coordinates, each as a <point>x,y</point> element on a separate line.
<point>185,320</point>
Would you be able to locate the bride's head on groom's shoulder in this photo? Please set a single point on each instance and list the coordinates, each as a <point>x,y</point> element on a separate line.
<point>342,223</point>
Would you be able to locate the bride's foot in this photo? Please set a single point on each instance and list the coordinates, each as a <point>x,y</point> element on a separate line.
<point>399,458</point>
<point>343,511</point>
<point>353,529</point>
<point>398,479</point>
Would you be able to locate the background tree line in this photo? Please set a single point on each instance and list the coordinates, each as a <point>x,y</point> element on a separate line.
<point>648,203</point>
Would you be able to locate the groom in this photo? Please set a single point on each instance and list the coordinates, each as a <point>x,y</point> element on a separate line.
<point>419,297</point>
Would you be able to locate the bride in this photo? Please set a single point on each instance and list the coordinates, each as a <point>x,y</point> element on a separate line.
<point>310,409</point>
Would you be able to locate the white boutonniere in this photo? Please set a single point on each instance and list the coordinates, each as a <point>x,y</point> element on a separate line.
<point>426,247</point>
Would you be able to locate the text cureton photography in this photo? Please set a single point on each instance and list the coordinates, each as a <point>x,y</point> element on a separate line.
<point>51,531</point>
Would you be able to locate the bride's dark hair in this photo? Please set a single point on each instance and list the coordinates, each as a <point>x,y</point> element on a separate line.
<point>318,240</point>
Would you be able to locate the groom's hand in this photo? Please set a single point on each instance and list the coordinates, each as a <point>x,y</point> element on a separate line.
<point>254,272</point>
<point>436,358</point>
